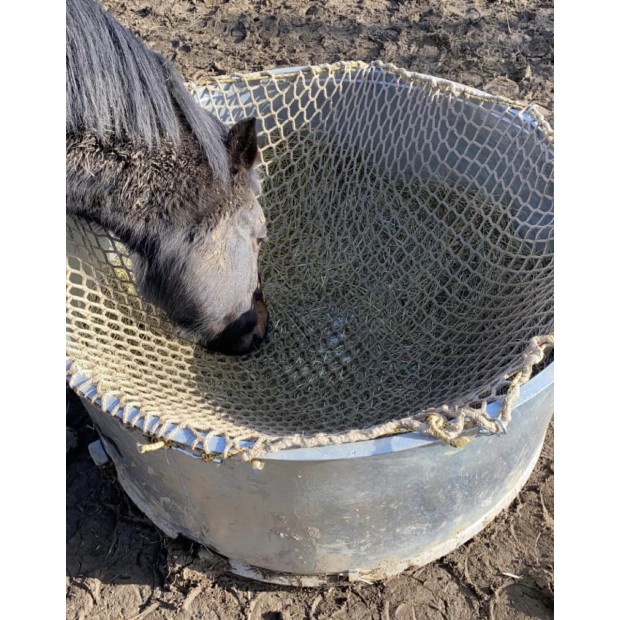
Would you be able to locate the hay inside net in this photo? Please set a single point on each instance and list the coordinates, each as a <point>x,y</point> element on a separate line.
<point>408,272</point>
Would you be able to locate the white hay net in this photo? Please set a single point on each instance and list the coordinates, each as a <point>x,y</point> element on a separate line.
<point>408,272</point>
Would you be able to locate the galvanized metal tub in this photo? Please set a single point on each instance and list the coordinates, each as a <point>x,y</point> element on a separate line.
<point>357,511</point>
<point>366,510</point>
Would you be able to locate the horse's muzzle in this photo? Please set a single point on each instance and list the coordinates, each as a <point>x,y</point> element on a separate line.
<point>246,332</point>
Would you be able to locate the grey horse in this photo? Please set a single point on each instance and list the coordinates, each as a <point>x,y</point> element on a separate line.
<point>173,183</point>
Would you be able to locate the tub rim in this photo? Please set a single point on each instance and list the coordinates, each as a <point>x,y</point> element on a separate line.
<point>182,439</point>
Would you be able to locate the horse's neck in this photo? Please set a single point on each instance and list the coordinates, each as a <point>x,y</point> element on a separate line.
<point>135,193</point>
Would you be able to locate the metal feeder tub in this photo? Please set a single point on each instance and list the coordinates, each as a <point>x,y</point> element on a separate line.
<point>328,506</point>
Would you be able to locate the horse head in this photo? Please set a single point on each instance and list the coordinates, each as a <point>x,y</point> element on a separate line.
<point>203,270</point>
<point>169,179</point>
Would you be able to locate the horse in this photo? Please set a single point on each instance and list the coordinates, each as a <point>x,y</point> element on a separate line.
<point>175,185</point>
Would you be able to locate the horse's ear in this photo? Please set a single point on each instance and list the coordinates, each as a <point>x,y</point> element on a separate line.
<point>242,145</point>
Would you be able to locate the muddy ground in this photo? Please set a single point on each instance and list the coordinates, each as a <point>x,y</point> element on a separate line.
<point>118,564</point>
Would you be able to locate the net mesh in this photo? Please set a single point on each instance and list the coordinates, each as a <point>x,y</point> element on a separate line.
<point>408,272</point>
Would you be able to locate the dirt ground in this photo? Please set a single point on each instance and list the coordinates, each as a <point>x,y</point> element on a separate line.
<point>118,564</point>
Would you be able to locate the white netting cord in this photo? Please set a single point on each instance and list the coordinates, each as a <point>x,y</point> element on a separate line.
<point>409,269</point>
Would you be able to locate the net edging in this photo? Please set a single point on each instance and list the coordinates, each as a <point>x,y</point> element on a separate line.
<point>446,424</point>
<point>527,112</point>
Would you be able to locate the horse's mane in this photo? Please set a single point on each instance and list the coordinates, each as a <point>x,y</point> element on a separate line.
<point>117,87</point>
